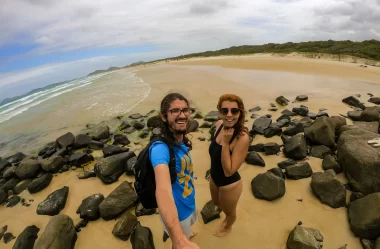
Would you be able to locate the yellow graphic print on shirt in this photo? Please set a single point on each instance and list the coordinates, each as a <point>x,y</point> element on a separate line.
<point>187,166</point>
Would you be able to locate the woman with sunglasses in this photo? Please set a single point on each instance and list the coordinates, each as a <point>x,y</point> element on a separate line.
<point>228,150</point>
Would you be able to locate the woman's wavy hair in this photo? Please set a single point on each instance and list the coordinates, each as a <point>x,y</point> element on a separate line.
<point>166,132</point>
<point>239,126</point>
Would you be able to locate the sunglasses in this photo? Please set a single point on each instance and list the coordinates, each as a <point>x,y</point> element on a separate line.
<point>234,111</point>
<point>177,112</point>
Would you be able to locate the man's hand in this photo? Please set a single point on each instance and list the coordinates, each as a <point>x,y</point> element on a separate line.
<point>185,244</point>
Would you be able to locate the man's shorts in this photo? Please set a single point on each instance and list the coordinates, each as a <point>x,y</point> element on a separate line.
<point>185,224</point>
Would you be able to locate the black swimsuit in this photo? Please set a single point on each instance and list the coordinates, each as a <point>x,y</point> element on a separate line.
<point>216,172</point>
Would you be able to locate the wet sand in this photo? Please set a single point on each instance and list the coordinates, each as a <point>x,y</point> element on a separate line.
<point>260,224</point>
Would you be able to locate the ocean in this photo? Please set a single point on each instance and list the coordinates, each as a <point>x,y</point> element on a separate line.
<point>27,123</point>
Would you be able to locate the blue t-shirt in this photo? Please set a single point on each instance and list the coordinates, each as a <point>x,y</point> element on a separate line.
<point>183,188</point>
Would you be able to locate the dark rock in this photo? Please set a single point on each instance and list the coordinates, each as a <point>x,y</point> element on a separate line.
<point>321,132</point>
<point>268,116</point>
<point>255,109</point>
<point>61,152</point>
<point>82,141</point>
<point>86,175</point>
<point>100,133</point>
<point>329,162</point>
<point>277,172</point>
<point>312,115</point>
<point>360,161</point>
<point>202,139</point>
<point>338,121</point>
<point>364,217</point>
<point>139,125</point>
<point>352,101</point>
<point>282,123</point>
<point>287,112</point>
<point>28,168</point>
<point>212,116</point>
<point>303,238</point>
<point>306,121</point>
<point>273,109</point>
<point>21,186</point>
<point>322,114</point>
<point>375,100</point>
<point>15,158</point>
<point>4,164</point>
<point>80,159</point>
<point>206,125</point>
<point>370,114</point>
<point>281,100</point>
<point>8,237</point>
<point>127,124</point>
<point>48,150</point>
<point>369,126</point>
<point>142,238</point>
<point>129,130</point>
<point>355,195</point>
<point>81,224</point>
<point>295,148</point>
<point>354,115</point>
<point>65,168</point>
<point>302,98</point>
<point>254,158</point>
<point>27,238</point>
<point>254,115</point>
<point>286,163</point>
<point>257,148</point>
<point>13,201</point>
<point>293,130</point>
<point>9,172</point>
<point>154,122</point>
<point>54,203</point>
<point>52,164</point>
<point>125,226</point>
<point>261,124</point>
<point>328,189</point>
<point>302,110</point>
<point>268,186</point>
<point>89,208</point>
<point>130,169</point>
<point>135,116</point>
<point>272,130</point>
<point>141,211</point>
<point>117,201</point>
<point>285,139</point>
<point>121,139</point>
<point>111,168</point>
<point>88,151</point>
<point>271,148</point>
<point>299,171</point>
<point>10,184</point>
<point>59,234</point>
<point>210,212</point>
<point>320,151</point>
<point>272,105</point>
<point>65,140</point>
<point>95,145</point>
<point>144,133</point>
<point>366,244</point>
<point>192,126</point>
<point>110,150</point>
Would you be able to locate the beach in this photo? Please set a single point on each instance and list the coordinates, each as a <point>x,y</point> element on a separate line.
<point>258,80</point>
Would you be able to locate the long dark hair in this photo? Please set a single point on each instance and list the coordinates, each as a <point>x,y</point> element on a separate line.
<point>166,132</point>
<point>239,126</point>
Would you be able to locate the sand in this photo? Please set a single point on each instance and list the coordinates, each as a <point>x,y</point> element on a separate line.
<point>260,224</point>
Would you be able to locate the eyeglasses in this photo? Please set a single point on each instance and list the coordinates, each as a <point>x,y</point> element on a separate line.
<point>234,111</point>
<point>177,112</point>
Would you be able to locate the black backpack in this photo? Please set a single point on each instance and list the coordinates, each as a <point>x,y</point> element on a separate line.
<point>145,182</point>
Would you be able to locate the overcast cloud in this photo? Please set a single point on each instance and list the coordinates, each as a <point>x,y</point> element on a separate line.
<point>170,27</point>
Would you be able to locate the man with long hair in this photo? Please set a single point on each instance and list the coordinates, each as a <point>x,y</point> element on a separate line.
<point>176,202</point>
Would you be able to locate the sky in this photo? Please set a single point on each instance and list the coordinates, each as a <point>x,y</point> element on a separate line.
<point>44,42</point>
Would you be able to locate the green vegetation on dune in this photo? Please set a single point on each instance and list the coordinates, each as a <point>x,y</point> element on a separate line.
<point>104,71</point>
<point>369,49</point>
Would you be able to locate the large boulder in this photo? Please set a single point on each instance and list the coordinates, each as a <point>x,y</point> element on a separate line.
<point>254,158</point>
<point>111,150</point>
<point>111,168</point>
<point>118,201</point>
<point>142,238</point>
<point>286,163</point>
<point>261,124</point>
<point>304,238</point>
<point>212,116</point>
<point>89,208</point>
<point>9,172</point>
<point>54,203</point>
<point>294,129</point>
<point>120,139</point>
<point>48,150</point>
<point>82,141</point>
<point>16,158</point>
<point>59,234</point>
<point>338,121</point>
<point>40,183</point>
<point>10,184</point>
<point>369,126</point>
<point>80,159</point>
<point>27,238</point>
<point>268,186</point>
<point>271,148</point>
<point>320,151</point>
<point>299,171</point>
<point>65,140</point>
<point>364,216</point>
<point>321,132</point>
<point>330,162</point>
<point>210,212</point>
<point>52,164</point>
<point>125,226</point>
<point>192,126</point>
<point>28,168</point>
<point>360,161</point>
<point>370,114</point>
<point>296,148</point>
<point>328,189</point>
<point>154,122</point>
<point>21,186</point>
<point>99,133</point>
<point>95,145</point>
<point>302,110</point>
<point>273,130</point>
<point>353,101</point>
